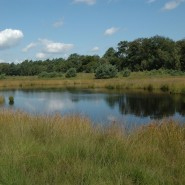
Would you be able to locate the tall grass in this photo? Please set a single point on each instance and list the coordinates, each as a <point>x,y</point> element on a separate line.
<point>139,80</point>
<point>70,150</point>
<point>2,99</point>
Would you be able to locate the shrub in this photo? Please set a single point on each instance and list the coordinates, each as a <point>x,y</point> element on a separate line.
<point>71,73</point>
<point>54,74</point>
<point>126,72</point>
<point>43,74</point>
<point>106,71</point>
<point>2,76</point>
<point>11,100</point>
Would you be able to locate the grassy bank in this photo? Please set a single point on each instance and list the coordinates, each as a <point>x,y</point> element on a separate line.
<point>139,80</point>
<point>69,150</point>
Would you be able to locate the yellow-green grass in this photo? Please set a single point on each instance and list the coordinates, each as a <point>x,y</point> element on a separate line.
<point>70,150</point>
<point>2,99</point>
<point>172,84</point>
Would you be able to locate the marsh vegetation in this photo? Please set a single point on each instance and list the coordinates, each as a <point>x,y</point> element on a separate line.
<point>152,81</point>
<point>69,150</point>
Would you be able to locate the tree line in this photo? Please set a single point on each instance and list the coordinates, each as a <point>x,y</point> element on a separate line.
<point>142,54</point>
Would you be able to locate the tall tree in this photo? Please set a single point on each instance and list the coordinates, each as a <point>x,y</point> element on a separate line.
<point>181,46</point>
<point>110,57</point>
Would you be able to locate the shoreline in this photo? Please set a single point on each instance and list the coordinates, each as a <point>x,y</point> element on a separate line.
<point>174,85</point>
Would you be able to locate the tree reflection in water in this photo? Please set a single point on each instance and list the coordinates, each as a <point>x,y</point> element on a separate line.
<point>153,105</point>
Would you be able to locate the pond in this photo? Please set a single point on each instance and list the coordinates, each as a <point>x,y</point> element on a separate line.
<point>100,106</point>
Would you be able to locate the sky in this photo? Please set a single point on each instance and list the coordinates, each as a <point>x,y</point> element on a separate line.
<point>41,29</point>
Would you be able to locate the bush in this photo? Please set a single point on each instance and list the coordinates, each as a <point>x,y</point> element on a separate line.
<point>106,71</point>
<point>126,72</point>
<point>71,73</point>
<point>2,76</point>
<point>11,100</point>
<point>43,75</point>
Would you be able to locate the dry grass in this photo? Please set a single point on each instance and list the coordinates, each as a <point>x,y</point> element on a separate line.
<point>173,84</point>
<point>70,150</point>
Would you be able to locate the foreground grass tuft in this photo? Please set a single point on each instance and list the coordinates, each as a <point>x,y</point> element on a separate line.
<point>70,150</point>
<point>2,99</point>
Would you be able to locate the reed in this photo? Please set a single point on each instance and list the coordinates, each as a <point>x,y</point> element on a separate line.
<point>70,150</point>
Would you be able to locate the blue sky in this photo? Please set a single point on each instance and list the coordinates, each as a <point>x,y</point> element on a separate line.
<point>40,29</point>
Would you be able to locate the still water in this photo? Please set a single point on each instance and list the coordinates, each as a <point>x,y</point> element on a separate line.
<point>100,106</point>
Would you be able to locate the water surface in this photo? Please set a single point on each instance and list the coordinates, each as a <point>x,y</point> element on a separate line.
<point>100,106</point>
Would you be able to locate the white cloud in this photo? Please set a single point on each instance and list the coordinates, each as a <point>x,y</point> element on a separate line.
<point>111,31</point>
<point>10,38</point>
<point>41,55</point>
<point>55,47</point>
<point>88,2</point>
<point>47,48</point>
<point>172,4</point>
<point>95,49</point>
<point>29,46</point>
<point>58,23</point>
<point>58,47</point>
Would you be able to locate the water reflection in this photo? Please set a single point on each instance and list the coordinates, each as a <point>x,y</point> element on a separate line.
<point>104,106</point>
<point>154,105</point>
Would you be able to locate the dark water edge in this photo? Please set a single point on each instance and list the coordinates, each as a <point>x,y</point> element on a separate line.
<point>101,106</point>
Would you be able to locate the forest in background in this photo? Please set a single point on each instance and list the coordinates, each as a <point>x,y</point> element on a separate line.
<point>142,54</point>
